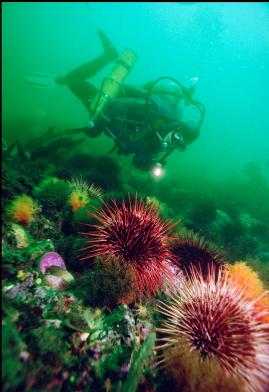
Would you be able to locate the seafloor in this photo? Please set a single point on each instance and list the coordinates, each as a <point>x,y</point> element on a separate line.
<point>77,319</point>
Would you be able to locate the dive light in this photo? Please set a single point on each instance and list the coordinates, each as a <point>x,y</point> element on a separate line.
<point>158,170</point>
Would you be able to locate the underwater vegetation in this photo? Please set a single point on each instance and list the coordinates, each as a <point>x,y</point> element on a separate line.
<point>52,193</point>
<point>104,171</point>
<point>118,285</point>
<point>184,371</point>
<point>116,278</point>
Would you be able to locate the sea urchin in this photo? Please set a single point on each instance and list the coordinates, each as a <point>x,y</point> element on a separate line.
<point>212,317</point>
<point>191,250</point>
<point>134,232</point>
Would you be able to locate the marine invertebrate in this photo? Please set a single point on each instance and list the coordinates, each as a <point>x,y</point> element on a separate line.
<point>262,267</point>
<point>191,250</point>
<point>79,195</point>
<point>142,311</point>
<point>252,286</point>
<point>79,183</point>
<point>96,191</point>
<point>56,282</point>
<point>22,238</point>
<point>22,209</point>
<point>245,277</point>
<point>50,259</point>
<point>134,232</point>
<point>56,274</point>
<point>213,318</point>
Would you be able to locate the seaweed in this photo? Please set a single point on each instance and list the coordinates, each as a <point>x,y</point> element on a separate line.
<point>107,283</point>
<point>140,357</point>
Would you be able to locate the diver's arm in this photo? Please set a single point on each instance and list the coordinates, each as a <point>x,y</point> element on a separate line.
<point>88,131</point>
<point>161,157</point>
<point>169,144</point>
<point>75,131</point>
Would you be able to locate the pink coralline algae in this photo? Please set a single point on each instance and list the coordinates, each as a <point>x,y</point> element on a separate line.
<point>51,259</point>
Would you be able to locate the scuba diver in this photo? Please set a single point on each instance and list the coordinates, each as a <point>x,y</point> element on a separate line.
<point>146,122</point>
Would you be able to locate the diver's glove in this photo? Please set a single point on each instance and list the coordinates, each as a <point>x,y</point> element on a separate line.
<point>177,140</point>
<point>93,128</point>
<point>173,139</point>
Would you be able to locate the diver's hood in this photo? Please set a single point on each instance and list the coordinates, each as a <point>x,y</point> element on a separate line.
<point>190,131</point>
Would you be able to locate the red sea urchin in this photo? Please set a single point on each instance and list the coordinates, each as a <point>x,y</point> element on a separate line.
<point>190,251</point>
<point>134,232</point>
<point>212,317</point>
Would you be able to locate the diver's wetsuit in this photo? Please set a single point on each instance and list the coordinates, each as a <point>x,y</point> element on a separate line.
<point>136,124</point>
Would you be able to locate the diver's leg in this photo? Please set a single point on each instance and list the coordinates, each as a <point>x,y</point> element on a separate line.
<point>84,91</point>
<point>76,79</point>
<point>91,68</point>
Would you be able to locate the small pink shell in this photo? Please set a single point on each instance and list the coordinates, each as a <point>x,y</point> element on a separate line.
<point>51,259</point>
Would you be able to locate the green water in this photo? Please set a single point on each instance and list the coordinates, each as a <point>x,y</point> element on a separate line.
<point>82,279</point>
<point>224,45</point>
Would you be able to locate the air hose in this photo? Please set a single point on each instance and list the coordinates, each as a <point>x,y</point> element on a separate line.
<point>187,97</point>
